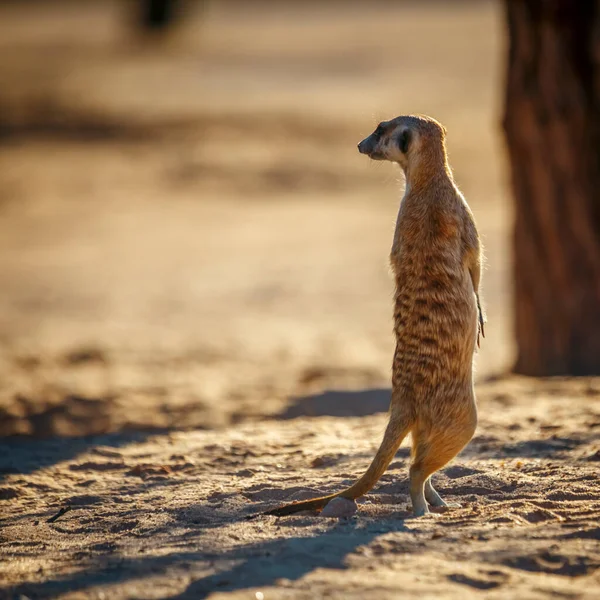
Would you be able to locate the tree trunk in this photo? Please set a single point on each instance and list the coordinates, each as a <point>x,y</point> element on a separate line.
<point>158,15</point>
<point>552,128</point>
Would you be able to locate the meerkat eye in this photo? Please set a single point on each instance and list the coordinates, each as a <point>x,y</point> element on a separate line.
<point>379,131</point>
<point>404,141</point>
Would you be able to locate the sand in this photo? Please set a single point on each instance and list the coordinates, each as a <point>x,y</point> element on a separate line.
<point>166,516</point>
<point>195,322</point>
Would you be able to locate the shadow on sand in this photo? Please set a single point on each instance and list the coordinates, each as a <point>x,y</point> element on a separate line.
<point>247,566</point>
<point>27,455</point>
<point>335,403</point>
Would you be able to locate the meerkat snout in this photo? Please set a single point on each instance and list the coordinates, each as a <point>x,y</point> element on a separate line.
<point>390,141</point>
<point>367,146</point>
<point>371,146</point>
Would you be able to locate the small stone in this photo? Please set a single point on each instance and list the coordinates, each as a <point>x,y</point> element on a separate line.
<point>340,507</point>
<point>327,460</point>
<point>246,473</point>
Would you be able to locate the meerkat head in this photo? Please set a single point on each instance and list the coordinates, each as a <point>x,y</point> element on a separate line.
<point>406,140</point>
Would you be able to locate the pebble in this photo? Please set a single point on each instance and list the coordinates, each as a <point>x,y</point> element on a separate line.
<point>340,507</point>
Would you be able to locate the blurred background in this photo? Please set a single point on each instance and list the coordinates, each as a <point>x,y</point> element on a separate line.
<point>189,237</point>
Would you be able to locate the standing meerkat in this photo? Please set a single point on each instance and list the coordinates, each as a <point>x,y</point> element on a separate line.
<point>436,259</point>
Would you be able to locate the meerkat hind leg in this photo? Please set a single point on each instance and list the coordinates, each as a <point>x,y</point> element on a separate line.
<point>434,499</point>
<point>431,453</point>
<point>417,491</point>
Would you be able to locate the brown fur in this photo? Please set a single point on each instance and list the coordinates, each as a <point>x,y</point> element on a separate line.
<point>436,259</point>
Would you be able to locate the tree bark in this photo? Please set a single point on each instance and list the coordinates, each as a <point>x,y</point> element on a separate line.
<point>157,14</point>
<point>552,130</point>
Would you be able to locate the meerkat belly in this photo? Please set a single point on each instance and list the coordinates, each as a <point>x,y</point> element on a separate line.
<point>435,326</point>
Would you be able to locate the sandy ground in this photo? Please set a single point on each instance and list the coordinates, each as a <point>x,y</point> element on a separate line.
<point>165,516</point>
<point>195,322</point>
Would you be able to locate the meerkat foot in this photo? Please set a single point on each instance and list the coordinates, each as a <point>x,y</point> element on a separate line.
<point>432,497</point>
<point>419,504</point>
<point>436,501</point>
<point>417,493</point>
<point>421,511</point>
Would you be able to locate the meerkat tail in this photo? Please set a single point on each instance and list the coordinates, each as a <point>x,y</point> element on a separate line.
<point>395,432</point>
<point>294,507</point>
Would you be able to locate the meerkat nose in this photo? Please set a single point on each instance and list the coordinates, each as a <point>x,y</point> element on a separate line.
<point>367,145</point>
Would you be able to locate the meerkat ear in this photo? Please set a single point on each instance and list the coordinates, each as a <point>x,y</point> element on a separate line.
<point>404,141</point>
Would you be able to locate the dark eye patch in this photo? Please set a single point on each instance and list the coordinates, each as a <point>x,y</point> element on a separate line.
<point>404,141</point>
<point>380,130</point>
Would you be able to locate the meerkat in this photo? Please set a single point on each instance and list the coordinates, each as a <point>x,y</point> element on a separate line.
<point>436,259</point>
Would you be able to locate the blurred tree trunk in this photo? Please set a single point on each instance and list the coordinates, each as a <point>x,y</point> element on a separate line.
<point>161,16</point>
<point>552,128</point>
<point>157,14</point>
